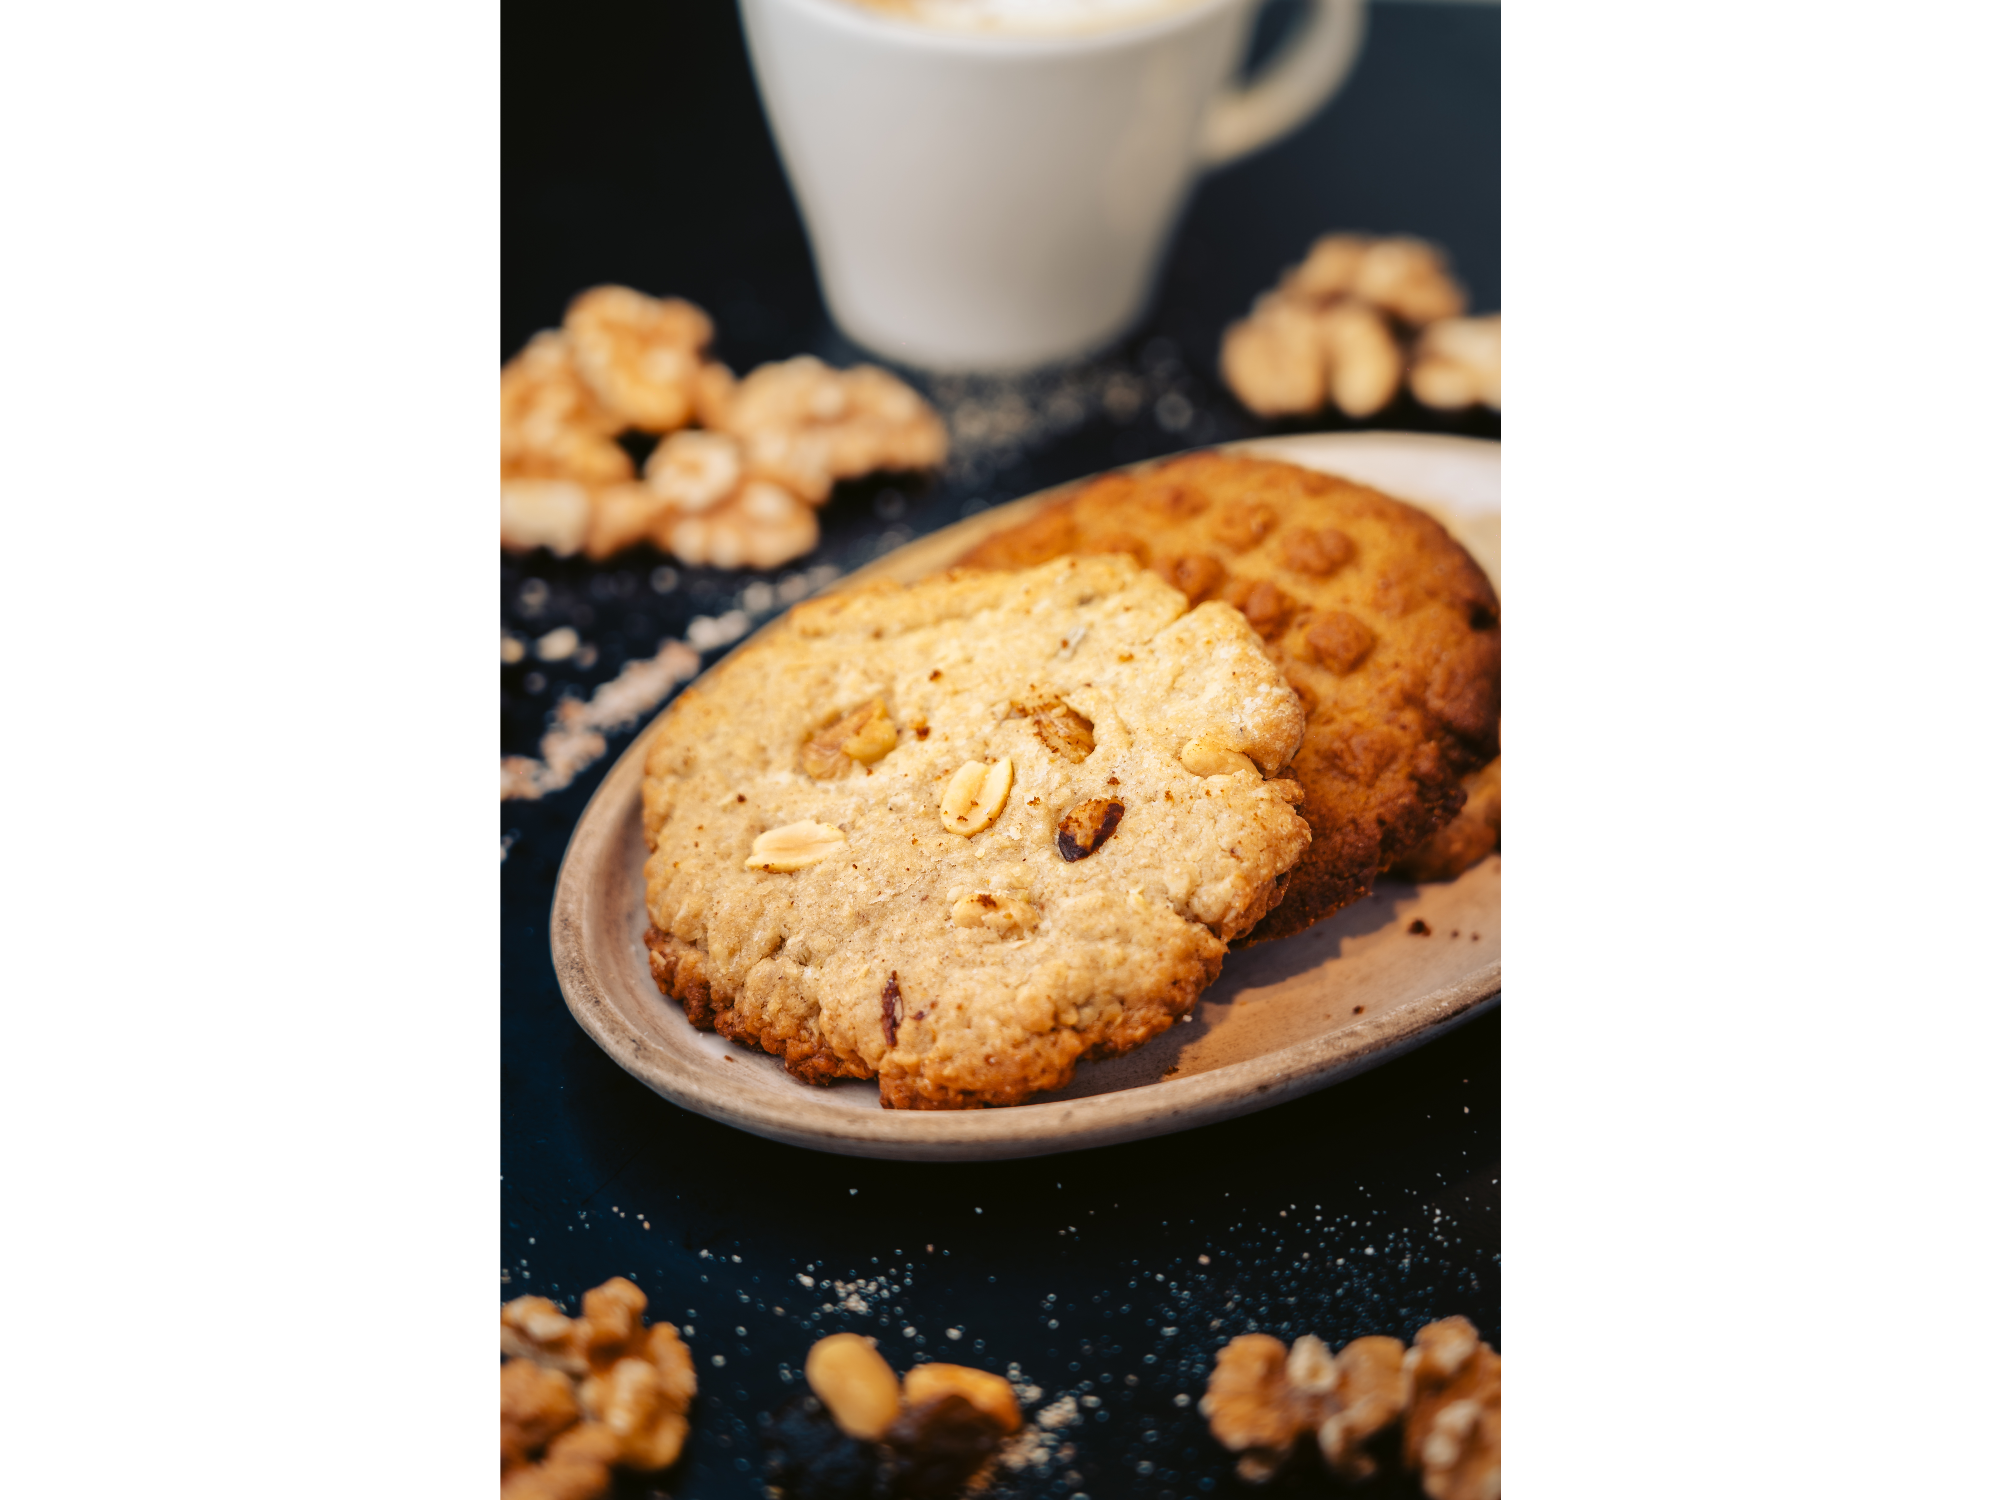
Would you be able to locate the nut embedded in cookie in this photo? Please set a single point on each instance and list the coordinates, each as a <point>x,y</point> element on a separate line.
<point>779,851</point>
<point>1207,756</point>
<point>975,794</point>
<point>861,737</point>
<point>1086,828</point>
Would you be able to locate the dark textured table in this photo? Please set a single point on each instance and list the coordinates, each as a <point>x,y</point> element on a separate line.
<point>634,150</point>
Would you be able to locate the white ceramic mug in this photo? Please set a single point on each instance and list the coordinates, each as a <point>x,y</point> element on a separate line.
<point>989,201</point>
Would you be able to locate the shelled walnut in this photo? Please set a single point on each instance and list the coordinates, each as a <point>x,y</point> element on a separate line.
<point>860,1434</point>
<point>737,492</point>
<point>1457,362</point>
<point>1339,328</point>
<point>581,1395</point>
<point>1451,1434</point>
<point>1443,1392</point>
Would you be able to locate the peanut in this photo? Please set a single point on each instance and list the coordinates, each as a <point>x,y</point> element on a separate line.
<point>794,846</point>
<point>856,1384</point>
<point>975,794</point>
<point>989,1392</point>
<point>1209,757</point>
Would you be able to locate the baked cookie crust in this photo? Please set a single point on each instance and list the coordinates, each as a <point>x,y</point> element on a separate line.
<point>948,835</point>
<point>1385,626</point>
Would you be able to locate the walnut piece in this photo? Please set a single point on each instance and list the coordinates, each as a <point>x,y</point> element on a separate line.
<point>1364,362</point>
<point>1404,277</point>
<point>1275,361</point>
<point>974,796</point>
<point>1458,363</point>
<point>551,513</point>
<point>1335,326</point>
<point>578,1467</point>
<point>1451,1433</point>
<point>862,737</point>
<point>780,851</point>
<point>536,1403</point>
<point>1085,828</point>
<point>640,355</point>
<point>760,526</point>
<point>1262,1398</point>
<point>1251,1406</point>
<point>1064,733</point>
<point>613,1322</point>
<point>636,1385</point>
<point>695,471</point>
<point>621,516</point>
<point>535,1328</point>
<point>857,1385</point>
<point>738,495</point>
<point>1366,1396</point>
<point>551,424</point>
<point>806,425</point>
<point>633,1401</point>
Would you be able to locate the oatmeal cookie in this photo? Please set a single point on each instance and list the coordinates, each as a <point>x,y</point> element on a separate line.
<point>1385,626</point>
<point>960,835</point>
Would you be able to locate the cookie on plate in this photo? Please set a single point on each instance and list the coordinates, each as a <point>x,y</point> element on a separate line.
<point>1467,838</point>
<point>958,836</point>
<point>1386,627</point>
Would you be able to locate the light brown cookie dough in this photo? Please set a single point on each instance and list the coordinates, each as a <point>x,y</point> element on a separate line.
<point>1385,626</point>
<point>1029,875</point>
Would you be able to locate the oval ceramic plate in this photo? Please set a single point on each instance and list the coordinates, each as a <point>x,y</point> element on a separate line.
<point>1284,1019</point>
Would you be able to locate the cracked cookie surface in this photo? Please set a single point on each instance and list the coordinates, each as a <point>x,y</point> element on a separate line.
<point>1384,624</point>
<point>959,915</point>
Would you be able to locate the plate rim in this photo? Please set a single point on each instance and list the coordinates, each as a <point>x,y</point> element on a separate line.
<point>1034,1129</point>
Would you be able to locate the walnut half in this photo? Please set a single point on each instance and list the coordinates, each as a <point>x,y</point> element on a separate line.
<point>1452,1432</point>
<point>1262,1398</point>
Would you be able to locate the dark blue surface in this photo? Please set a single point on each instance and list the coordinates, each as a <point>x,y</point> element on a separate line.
<point>635,151</point>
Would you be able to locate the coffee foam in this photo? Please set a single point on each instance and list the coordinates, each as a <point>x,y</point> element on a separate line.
<point>1028,17</point>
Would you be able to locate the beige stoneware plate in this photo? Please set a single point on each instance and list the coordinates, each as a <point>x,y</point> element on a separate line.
<point>1284,1019</point>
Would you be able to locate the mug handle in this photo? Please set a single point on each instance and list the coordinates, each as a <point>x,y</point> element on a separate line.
<point>1242,119</point>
